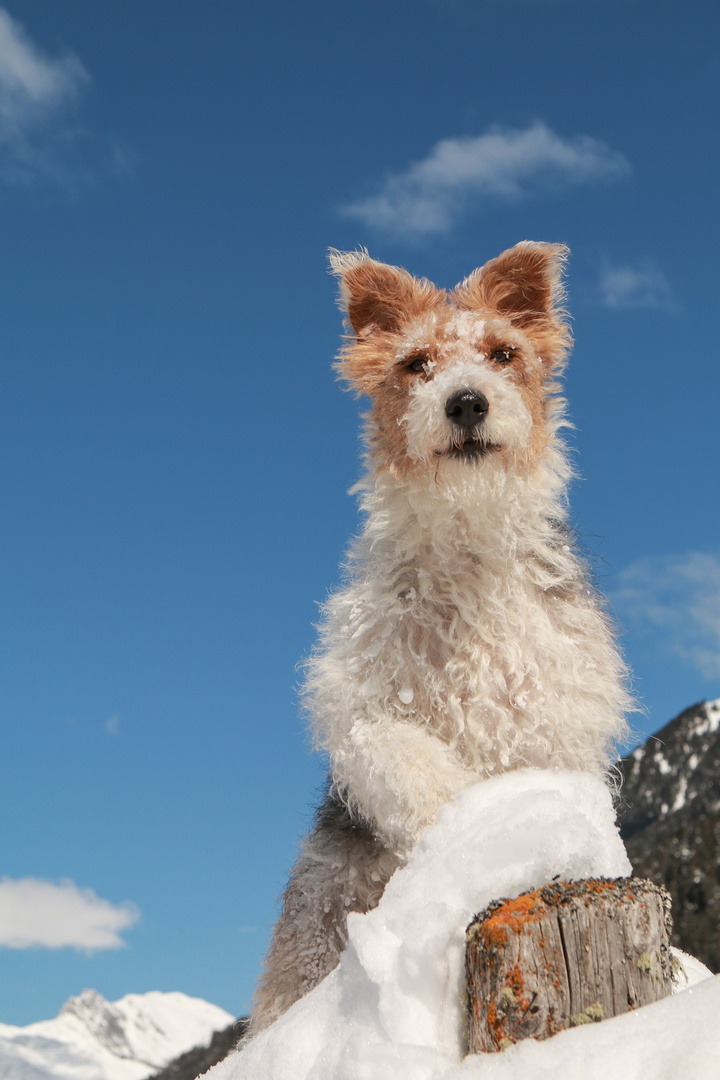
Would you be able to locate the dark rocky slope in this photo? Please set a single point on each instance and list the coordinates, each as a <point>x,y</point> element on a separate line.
<point>670,822</point>
<point>196,1062</point>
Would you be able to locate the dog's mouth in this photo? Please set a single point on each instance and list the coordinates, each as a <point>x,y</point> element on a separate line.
<point>470,450</point>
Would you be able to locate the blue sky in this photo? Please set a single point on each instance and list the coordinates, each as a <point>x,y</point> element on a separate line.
<point>175,453</point>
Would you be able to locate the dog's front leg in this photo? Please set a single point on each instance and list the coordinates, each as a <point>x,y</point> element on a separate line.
<point>396,775</point>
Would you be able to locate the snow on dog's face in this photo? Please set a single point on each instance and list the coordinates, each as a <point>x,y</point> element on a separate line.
<point>458,380</point>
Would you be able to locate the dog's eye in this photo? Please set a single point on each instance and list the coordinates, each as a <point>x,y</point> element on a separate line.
<point>504,355</point>
<point>417,364</point>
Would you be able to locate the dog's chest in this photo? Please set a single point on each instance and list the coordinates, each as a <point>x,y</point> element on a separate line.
<point>431,646</point>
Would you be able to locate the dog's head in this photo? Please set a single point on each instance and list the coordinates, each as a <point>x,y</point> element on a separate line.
<point>461,380</point>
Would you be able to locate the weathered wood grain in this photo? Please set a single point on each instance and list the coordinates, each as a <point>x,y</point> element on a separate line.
<point>566,954</point>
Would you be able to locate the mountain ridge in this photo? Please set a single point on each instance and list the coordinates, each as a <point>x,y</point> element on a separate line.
<point>669,819</point>
<point>95,1039</point>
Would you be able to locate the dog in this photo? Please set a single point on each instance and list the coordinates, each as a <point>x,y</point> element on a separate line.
<point>468,640</point>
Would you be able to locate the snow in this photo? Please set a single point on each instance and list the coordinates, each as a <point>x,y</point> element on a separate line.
<point>94,1039</point>
<point>681,793</point>
<point>690,971</point>
<point>393,1008</point>
<point>711,722</point>
<point>662,763</point>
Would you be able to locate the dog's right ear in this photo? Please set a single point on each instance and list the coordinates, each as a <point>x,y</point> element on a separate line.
<point>378,299</point>
<point>374,295</point>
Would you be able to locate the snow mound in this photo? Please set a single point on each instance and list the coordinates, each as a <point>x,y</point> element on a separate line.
<point>393,1007</point>
<point>95,1039</point>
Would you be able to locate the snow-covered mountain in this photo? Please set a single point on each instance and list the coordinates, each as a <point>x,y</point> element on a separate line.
<point>670,822</point>
<point>95,1039</point>
<point>676,769</point>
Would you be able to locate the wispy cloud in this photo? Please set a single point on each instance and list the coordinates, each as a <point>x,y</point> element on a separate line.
<point>641,286</point>
<point>677,597</point>
<point>35,913</point>
<point>41,134</point>
<point>506,164</point>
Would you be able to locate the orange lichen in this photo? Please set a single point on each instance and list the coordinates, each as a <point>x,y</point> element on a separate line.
<point>514,914</point>
<point>517,982</point>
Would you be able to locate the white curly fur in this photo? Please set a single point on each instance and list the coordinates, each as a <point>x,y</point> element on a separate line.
<point>467,640</point>
<point>451,657</point>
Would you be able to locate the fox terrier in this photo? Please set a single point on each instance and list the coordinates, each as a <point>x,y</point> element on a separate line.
<point>468,640</point>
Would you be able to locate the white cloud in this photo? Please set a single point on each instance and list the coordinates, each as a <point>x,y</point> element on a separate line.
<point>641,286</point>
<point>30,81</point>
<point>41,136</point>
<point>35,913</point>
<point>678,597</point>
<point>112,725</point>
<point>503,163</point>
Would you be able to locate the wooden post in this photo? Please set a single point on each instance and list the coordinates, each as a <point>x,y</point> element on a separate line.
<point>566,954</point>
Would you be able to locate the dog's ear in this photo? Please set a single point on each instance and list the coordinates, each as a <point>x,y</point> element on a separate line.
<point>378,299</point>
<point>374,295</point>
<point>524,285</point>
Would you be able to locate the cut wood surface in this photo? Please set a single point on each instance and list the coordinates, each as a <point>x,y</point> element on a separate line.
<point>566,954</point>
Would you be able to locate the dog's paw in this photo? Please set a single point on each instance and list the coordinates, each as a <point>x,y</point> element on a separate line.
<point>398,776</point>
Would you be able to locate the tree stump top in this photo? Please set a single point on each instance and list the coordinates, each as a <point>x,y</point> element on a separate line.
<point>513,914</point>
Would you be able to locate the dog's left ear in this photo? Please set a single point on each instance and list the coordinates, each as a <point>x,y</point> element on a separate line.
<point>524,285</point>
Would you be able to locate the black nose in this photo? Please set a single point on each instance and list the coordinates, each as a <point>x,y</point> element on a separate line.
<point>467,408</point>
